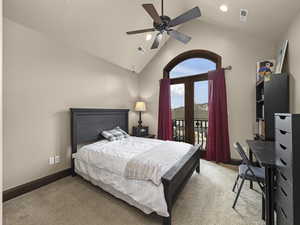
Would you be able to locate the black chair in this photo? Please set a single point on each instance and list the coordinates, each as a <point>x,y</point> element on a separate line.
<point>247,172</point>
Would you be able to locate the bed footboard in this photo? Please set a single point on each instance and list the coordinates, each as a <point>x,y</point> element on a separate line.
<point>175,179</point>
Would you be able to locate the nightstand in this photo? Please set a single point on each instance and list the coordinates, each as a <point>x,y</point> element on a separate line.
<point>147,136</point>
<point>150,136</point>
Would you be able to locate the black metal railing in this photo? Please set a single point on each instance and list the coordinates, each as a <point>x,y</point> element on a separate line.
<point>200,130</point>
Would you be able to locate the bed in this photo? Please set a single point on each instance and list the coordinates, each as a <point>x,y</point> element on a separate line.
<point>103,163</point>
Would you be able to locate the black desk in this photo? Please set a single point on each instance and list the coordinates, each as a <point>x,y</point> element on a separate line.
<point>264,152</point>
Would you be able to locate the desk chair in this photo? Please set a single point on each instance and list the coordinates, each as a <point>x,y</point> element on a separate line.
<point>247,172</point>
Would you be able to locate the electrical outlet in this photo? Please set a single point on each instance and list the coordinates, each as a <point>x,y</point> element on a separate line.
<point>57,159</point>
<point>51,160</point>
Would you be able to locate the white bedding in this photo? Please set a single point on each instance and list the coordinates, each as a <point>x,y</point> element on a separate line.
<point>143,195</point>
<point>151,165</point>
<point>105,162</point>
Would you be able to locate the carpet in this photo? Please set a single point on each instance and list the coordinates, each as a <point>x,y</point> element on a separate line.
<point>206,200</point>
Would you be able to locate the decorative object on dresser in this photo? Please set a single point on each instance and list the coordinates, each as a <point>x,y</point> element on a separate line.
<point>140,131</point>
<point>287,145</point>
<point>265,68</point>
<point>272,96</point>
<point>140,107</point>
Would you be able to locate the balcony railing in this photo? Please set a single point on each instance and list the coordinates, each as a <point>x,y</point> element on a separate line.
<point>200,130</point>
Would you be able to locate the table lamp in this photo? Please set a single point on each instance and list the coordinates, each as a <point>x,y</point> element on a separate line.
<point>140,107</point>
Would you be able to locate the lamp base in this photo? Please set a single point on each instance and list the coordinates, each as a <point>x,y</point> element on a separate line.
<point>140,120</point>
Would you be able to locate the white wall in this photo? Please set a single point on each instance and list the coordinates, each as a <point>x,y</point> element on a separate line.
<point>42,80</point>
<point>1,109</point>
<point>237,49</point>
<point>293,56</point>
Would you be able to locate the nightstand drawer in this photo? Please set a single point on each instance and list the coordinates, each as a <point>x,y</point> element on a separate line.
<point>283,122</point>
<point>140,131</point>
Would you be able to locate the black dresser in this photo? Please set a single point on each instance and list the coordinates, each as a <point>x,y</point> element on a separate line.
<point>287,142</point>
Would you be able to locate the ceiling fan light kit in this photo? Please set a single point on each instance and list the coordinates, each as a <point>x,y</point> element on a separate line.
<point>164,24</point>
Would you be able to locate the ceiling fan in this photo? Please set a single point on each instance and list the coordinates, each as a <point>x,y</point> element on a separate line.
<point>164,23</point>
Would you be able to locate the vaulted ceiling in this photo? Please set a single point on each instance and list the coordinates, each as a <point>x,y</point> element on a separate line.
<point>99,26</point>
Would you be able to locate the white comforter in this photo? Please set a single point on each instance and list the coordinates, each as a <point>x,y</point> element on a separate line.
<point>153,164</point>
<point>113,158</point>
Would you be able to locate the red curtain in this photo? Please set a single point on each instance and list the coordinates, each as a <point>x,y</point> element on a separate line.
<point>165,114</point>
<point>218,149</point>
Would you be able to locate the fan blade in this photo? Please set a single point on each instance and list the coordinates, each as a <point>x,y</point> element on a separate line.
<point>185,17</point>
<point>179,36</point>
<point>140,31</point>
<point>153,13</point>
<point>156,41</point>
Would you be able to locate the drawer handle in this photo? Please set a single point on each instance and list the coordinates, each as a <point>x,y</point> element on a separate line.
<point>283,132</point>
<point>283,162</point>
<point>283,147</point>
<point>283,177</point>
<point>282,117</point>
<point>283,212</point>
<point>283,191</point>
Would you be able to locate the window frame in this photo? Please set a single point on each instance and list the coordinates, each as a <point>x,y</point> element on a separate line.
<point>188,82</point>
<point>205,54</point>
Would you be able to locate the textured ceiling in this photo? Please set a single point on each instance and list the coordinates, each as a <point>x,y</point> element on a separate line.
<point>98,26</point>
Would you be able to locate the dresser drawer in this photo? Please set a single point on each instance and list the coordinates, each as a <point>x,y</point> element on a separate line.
<point>284,139</point>
<point>283,178</point>
<point>285,171</point>
<point>283,123</point>
<point>284,205</point>
<point>284,186</point>
<point>282,218</point>
<point>284,156</point>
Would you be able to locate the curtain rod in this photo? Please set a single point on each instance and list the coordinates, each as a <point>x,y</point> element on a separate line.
<point>228,68</point>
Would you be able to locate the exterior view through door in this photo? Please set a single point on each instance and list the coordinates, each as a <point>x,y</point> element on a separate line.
<point>188,73</point>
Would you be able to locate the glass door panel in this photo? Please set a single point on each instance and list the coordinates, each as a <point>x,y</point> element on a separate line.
<point>200,112</point>
<point>178,111</point>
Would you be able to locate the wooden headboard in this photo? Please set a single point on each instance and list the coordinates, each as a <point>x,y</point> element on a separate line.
<point>87,124</point>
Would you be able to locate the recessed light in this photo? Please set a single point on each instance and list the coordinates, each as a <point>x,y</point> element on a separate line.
<point>224,8</point>
<point>148,37</point>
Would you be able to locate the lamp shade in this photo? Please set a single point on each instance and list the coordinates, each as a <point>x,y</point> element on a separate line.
<point>140,106</point>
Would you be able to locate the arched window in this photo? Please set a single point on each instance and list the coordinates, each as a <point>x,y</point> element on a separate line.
<point>191,67</point>
<point>192,63</point>
<point>189,94</point>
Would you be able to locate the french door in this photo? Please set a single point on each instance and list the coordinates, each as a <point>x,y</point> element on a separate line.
<point>189,109</point>
<point>188,73</point>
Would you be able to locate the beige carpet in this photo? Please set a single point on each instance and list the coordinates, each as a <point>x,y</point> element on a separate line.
<point>206,200</point>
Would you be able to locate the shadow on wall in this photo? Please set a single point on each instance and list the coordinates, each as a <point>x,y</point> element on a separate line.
<point>62,143</point>
<point>286,67</point>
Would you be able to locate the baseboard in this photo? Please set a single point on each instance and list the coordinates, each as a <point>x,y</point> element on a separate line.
<point>235,162</point>
<point>30,186</point>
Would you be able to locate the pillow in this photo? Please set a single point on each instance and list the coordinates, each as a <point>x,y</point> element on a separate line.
<point>114,134</point>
